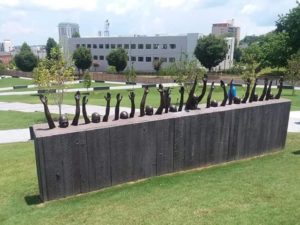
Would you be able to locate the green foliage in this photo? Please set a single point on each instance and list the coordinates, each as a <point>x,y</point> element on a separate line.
<point>211,50</point>
<point>157,63</point>
<point>87,80</point>
<point>51,43</point>
<point>293,69</point>
<point>76,35</point>
<point>130,74</point>
<point>117,58</point>
<point>2,66</point>
<point>250,39</point>
<point>26,60</point>
<point>237,54</point>
<point>111,70</point>
<point>82,57</point>
<point>52,74</point>
<point>236,69</point>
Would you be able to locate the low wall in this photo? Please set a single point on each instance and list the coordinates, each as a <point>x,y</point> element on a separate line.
<point>84,158</point>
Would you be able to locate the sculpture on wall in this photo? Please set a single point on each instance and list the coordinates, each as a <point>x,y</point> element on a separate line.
<point>131,97</point>
<point>107,98</point>
<point>269,95</point>
<point>264,90</point>
<point>212,87</point>
<point>253,96</point>
<point>124,115</point>
<point>214,103</point>
<point>204,80</point>
<point>167,99</point>
<point>191,102</point>
<point>277,96</point>
<point>149,110</point>
<point>77,111</point>
<point>230,96</point>
<point>96,118</point>
<point>173,108</point>
<point>181,91</point>
<point>63,121</point>
<point>84,102</point>
<point>225,93</point>
<point>50,121</point>
<point>248,82</point>
<point>117,108</point>
<point>143,102</point>
<point>162,100</point>
<point>236,100</point>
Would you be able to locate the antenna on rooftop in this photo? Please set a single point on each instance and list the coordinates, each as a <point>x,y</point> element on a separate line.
<point>106,28</point>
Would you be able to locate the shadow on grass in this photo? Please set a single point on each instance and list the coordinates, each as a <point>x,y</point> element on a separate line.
<point>296,152</point>
<point>33,200</point>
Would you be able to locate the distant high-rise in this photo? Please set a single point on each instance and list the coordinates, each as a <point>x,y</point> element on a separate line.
<point>6,46</point>
<point>226,30</point>
<point>67,30</point>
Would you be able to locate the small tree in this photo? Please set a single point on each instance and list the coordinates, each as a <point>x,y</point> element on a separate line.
<point>87,81</point>
<point>157,63</point>
<point>51,43</point>
<point>117,58</point>
<point>111,70</point>
<point>210,51</point>
<point>26,60</point>
<point>293,69</point>
<point>82,57</point>
<point>52,74</point>
<point>130,74</point>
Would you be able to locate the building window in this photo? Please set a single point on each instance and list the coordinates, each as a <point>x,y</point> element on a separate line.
<point>119,46</point>
<point>94,46</point>
<point>172,46</point>
<point>148,46</point>
<point>113,46</point>
<point>100,45</point>
<point>171,59</point>
<point>140,59</point>
<point>133,58</point>
<point>126,46</point>
<point>155,46</point>
<point>155,58</point>
<point>133,46</point>
<point>89,46</point>
<point>78,45</point>
<point>95,57</point>
<point>107,46</point>
<point>148,59</point>
<point>83,45</point>
<point>164,46</point>
<point>163,59</point>
<point>101,57</point>
<point>140,46</point>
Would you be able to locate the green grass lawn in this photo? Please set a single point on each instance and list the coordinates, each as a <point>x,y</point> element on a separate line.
<point>263,190</point>
<point>9,82</point>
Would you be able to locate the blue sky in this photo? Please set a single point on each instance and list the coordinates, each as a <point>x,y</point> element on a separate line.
<point>33,21</point>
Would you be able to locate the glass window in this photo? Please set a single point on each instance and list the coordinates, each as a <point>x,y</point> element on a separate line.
<point>148,59</point>
<point>119,46</point>
<point>89,46</point>
<point>95,57</point>
<point>133,46</point>
<point>155,46</point>
<point>100,45</point>
<point>140,46</point>
<point>172,46</point>
<point>101,57</point>
<point>171,59</point>
<point>113,46</point>
<point>164,46</point>
<point>94,46</point>
<point>148,46</point>
<point>163,59</point>
<point>107,46</point>
<point>155,58</point>
<point>133,58</point>
<point>126,46</point>
<point>140,59</point>
<point>83,45</point>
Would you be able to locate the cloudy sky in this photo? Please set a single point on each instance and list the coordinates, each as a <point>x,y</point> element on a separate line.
<point>33,21</point>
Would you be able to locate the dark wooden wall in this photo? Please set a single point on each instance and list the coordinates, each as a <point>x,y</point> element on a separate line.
<point>82,161</point>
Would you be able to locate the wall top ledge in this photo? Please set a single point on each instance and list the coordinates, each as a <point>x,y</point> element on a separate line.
<point>42,130</point>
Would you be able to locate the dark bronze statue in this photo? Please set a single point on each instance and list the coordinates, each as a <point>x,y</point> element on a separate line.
<point>50,121</point>
<point>84,102</point>
<point>225,93</point>
<point>277,96</point>
<point>230,92</point>
<point>107,98</point>
<point>96,118</point>
<point>143,102</point>
<point>262,97</point>
<point>236,100</point>
<point>167,99</point>
<point>131,97</point>
<point>173,108</point>
<point>181,91</point>
<point>124,115</point>
<point>77,112</point>
<point>204,80</point>
<point>269,94</point>
<point>248,82</point>
<point>162,100</point>
<point>214,103</point>
<point>117,108</point>
<point>191,102</point>
<point>212,87</point>
<point>253,96</point>
<point>149,110</point>
<point>63,121</point>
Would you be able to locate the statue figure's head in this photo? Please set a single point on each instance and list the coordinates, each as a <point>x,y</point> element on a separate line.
<point>95,118</point>
<point>149,110</point>
<point>63,121</point>
<point>124,115</point>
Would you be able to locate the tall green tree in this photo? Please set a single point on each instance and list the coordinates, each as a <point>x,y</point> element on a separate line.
<point>82,57</point>
<point>117,58</point>
<point>51,43</point>
<point>290,24</point>
<point>211,50</point>
<point>293,69</point>
<point>26,60</point>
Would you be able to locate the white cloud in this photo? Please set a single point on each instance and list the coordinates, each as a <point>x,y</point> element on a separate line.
<point>250,9</point>
<point>9,3</point>
<point>170,4</point>
<point>121,7</point>
<point>87,5</point>
<point>12,28</point>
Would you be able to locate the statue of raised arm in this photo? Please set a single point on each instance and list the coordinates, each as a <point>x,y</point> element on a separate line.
<point>143,102</point>
<point>261,98</point>
<point>85,116</point>
<point>107,98</point>
<point>50,121</point>
<point>162,100</point>
<point>269,94</point>
<point>181,91</point>
<point>248,82</point>
<point>167,97</point>
<point>191,101</point>
<point>117,108</point>
<point>204,80</point>
<point>225,98</point>
<point>77,111</point>
<point>277,96</point>
<point>212,87</point>
<point>253,94</point>
<point>231,96</point>
<point>131,97</point>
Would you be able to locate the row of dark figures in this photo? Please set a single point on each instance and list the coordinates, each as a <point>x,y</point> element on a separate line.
<point>165,102</point>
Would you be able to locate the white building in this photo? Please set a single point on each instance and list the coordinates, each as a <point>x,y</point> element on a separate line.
<point>67,30</point>
<point>142,50</point>
<point>228,62</point>
<point>6,46</point>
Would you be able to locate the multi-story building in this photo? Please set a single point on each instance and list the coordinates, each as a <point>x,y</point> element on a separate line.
<point>226,30</point>
<point>6,46</point>
<point>142,50</point>
<point>228,62</point>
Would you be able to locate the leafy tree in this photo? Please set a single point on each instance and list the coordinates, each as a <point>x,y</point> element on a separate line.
<point>76,35</point>
<point>26,60</point>
<point>157,63</point>
<point>117,58</point>
<point>237,54</point>
<point>51,43</point>
<point>111,69</point>
<point>87,80</point>
<point>293,69</point>
<point>211,50</point>
<point>53,73</point>
<point>289,23</point>
<point>82,57</point>
<point>250,39</point>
